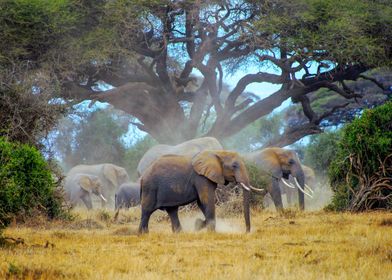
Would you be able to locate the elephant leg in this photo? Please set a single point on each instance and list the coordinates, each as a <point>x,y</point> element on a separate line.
<point>206,193</point>
<point>86,198</point>
<point>143,227</point>
<point>199,223</point>
<point>289,197</point>
<point>301,200</point>
<point>175,222</point>
<point>276,194</point>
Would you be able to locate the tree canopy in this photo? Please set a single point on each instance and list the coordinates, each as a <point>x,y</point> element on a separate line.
<point>164,62</point>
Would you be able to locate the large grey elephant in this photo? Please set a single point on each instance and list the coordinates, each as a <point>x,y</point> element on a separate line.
<point>280,164</point>
<point>128,195</point>
<point>173,180</point>
<point>110,175</point>
<point>79,187</point>
<point>190,148</point>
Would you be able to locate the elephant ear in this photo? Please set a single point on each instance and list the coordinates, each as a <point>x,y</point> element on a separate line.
<point>110,174</point>
<point>209,165</point>
<point>86,183</point>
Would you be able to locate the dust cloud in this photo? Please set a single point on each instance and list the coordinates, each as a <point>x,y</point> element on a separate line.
<point>223,225</point>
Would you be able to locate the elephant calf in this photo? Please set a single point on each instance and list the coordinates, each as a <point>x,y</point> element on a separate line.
<point>79,186</point>
<point>128,195</point>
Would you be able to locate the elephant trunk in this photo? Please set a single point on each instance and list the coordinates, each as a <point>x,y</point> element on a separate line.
<point>243,179</point>
<point>246,198</point>
<point>299,179</point>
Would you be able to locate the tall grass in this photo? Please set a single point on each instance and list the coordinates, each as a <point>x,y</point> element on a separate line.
<point>295,245</point>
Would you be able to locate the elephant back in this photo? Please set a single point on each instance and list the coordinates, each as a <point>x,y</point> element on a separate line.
<point>187,148</point>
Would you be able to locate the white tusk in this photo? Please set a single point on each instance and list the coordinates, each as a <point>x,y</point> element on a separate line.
<point>302,190</point>
<point>245,187</point>
<point>287,184</point>
<point>256,189</point>
<point>103,198</point>
<point>308,188</point>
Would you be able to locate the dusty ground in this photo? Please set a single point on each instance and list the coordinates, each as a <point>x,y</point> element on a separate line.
<point>313,245</point>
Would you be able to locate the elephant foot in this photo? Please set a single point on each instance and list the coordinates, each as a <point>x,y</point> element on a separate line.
<point>177,229</point>
<point>142,230</point>
<point>199,224</point>
<point>211,226</point>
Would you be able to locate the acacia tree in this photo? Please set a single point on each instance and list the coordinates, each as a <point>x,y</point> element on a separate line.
<point>163,43</point>
<point>166,60</point>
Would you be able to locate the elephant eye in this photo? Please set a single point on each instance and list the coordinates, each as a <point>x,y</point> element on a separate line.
<point>236,165</point>
<point>291,161</point>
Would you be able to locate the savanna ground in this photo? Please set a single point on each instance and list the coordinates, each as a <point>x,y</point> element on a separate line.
<point>295,245</point>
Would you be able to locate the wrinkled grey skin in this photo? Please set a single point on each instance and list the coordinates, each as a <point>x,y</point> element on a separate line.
<point>188,148</point>
<point>110,175</point>
<point>279,163</point>
<point>80,187</point>
<point>128,195</point>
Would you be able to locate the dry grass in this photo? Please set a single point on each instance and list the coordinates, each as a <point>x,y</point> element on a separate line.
<point>314,245</point>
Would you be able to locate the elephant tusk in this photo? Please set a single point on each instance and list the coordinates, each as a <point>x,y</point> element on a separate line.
<point>245,187</point>
<point>287,184</point>
<point>103,198</point>
<point>302,190</point>
<point>309,189</point>
<point>256,189</point>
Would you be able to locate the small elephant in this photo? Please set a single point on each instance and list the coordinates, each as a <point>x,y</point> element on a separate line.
<point>280,164</point>
<point>81,186</point>
<point>173,180</point>
<point>128,195</point>
<point>190,148</point>
<point>110,175</point>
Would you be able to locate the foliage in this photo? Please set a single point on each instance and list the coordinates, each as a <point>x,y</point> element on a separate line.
<point>99,139</point>
<point>361,172</point>
<point>321,150</point>
<point>26,184</point>
<point>27,117</point>
<point>332,30</point>
<point>29,28</point>
<point>91,138</point>
<point>135,153</point>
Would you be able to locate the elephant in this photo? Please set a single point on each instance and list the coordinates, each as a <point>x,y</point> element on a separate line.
<point>80,186</point>
<point>280,164</point>
<point>190,147</point>
<point>110,175</point>
<point>176,180</point>
<point>128,195</point>
<point>310,180</point>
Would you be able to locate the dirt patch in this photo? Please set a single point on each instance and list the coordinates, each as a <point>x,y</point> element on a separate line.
<point>86,224</point>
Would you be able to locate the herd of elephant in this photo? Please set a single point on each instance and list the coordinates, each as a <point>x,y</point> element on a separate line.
<point>173,176</point>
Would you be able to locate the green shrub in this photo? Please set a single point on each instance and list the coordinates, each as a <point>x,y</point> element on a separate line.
<point>26,183</point>
<point>361,172</point>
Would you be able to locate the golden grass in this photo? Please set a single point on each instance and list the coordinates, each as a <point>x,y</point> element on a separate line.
<point>314,245</point>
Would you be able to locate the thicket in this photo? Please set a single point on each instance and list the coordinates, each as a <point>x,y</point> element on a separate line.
<point>27,185</point>
<point>361,173</point>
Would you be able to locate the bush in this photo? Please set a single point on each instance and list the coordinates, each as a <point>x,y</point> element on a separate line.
<point>361,172</point>
<point>26,184</point>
